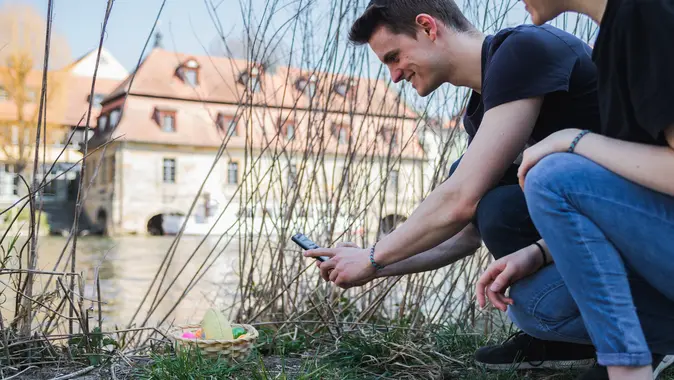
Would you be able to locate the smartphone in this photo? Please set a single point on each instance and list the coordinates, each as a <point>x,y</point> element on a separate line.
<point>306,244</point>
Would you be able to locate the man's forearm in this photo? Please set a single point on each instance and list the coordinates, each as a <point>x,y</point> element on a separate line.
<point>463,244</point>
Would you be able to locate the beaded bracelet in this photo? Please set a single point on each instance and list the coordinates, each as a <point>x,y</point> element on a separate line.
<point>572,147</point>
<point>374,264</point>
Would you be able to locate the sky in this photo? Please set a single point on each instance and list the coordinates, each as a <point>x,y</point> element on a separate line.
<point>187,27</point>
<point>185,24</point>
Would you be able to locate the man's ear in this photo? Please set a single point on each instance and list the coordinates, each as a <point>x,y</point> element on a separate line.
<point>428,25</point>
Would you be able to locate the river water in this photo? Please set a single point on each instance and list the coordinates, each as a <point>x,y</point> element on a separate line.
<point>127,266</point>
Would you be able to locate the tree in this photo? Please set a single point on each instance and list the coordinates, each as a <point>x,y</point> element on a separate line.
<point>23,32</point>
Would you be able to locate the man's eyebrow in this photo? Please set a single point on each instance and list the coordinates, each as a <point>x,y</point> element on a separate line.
<point>391,56</point>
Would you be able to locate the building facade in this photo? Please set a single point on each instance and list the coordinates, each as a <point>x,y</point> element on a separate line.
<point>285,145</point>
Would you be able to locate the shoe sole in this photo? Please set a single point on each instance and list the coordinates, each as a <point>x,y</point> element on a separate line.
<point>666,362</point>
<point>548,364</point>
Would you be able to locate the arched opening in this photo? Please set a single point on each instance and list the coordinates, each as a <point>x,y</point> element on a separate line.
<point>102,221</point>
<point>155,226</point>
<point>389,223</point>
<point>168,223</point>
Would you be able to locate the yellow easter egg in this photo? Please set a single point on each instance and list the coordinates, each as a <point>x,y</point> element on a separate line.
<point>216,326</point>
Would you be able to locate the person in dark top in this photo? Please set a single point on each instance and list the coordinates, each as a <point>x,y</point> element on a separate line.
<point>604,201</point>
<point>527,83</point>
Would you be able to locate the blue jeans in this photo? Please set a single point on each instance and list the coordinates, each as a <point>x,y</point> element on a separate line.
<point>613,278</point>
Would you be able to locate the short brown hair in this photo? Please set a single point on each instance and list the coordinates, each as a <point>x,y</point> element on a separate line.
<point>399,16</point>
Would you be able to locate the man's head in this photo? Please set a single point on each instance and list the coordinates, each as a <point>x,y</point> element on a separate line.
<point>411,36</point>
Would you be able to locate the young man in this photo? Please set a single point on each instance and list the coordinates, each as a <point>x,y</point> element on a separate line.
<point>607,222</point>
<point>528,82</point>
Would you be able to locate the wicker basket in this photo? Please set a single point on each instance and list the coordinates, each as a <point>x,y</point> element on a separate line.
<point>230,350</point>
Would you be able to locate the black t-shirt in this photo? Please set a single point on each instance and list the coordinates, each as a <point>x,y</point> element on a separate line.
<point>634,54</point>
<point>530,61</point>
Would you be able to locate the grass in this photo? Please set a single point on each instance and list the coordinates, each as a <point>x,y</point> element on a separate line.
<point>438,352</point>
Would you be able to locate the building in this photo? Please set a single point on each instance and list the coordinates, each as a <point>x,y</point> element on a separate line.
<point>270,139</point>
<point>68,102</point>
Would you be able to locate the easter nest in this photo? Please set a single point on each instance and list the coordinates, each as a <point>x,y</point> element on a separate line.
<point>231,350</point>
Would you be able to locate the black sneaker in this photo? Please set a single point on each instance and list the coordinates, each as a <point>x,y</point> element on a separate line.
<point>660,362</point>
<point>522,351</point>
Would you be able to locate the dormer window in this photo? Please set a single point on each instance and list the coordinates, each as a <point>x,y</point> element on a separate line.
<point>114,117</point>
<point>228,124</point>
<point>307,85</point>
<point>96,100</point>
<point>251,78</point>
<point>189,72</point>
<point>102,123</point>
<point>166,119</point>
<point>341,132</point>
<point>344,88</point>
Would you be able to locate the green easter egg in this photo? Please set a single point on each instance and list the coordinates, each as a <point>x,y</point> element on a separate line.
<point>238,331</point>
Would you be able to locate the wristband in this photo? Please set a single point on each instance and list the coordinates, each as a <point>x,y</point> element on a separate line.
<point>545,258</point>
<point>374,264</point>
<point>572,147</point>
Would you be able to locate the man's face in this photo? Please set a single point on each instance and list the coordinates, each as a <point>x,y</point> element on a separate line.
<point>408,59</point>
<point>542,11</point>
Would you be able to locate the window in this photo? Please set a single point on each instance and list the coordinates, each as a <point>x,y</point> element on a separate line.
<point>287,129</point>
<point>114,118</point>
<point>4,95</point>
<point>233,173</point>
<point>251,79</point>
<point>189,72</point>
<point>228,124</point>
<point>307,85</point>
<point>96,99</point>
<point>190,77</point>
<point>168,123</point>
<point>102,123</point>
<point>166,119</point>
<point>393,181</point>
<point>390,136</point>
<point>344,88</point>
<point>341,132</point>
<point>169,170</point>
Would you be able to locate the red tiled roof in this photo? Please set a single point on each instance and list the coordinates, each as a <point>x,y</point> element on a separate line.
<point>156,86</point>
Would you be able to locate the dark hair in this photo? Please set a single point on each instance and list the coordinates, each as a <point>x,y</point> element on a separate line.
<point>399,16</point>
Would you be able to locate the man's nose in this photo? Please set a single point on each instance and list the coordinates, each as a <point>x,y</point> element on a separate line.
<point>396,75</point>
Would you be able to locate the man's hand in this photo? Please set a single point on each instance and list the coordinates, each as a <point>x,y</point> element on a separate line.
<point>504,272</point>
<point>348,265</point>
<point>326,269</point>
<point>557,142</point>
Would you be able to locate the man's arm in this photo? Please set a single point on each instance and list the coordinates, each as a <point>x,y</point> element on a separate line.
<point>502,135</point>
<point>461,245</point>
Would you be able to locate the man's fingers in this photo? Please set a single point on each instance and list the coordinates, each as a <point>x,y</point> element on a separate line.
<point>327,252</point>
<point>333,275</point>
<point>326,268</point>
